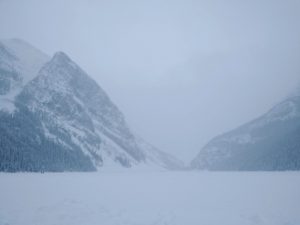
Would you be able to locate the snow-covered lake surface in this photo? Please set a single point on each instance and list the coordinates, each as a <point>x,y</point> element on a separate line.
<point>150,198</point>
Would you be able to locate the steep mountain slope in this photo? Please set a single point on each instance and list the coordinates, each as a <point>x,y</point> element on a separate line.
<point>62,108</point>
<point>271,142</point>
<point>69,102</point>
<point>19,63</point>
<point>158,157</point>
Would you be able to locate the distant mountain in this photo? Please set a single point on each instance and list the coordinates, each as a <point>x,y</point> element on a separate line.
<point>54,117</point>
<point>270,142</point>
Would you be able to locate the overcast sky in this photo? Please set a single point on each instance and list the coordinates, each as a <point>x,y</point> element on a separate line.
<point>182,71</point>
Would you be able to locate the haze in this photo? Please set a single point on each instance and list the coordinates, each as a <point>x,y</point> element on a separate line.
<point>182,72</point>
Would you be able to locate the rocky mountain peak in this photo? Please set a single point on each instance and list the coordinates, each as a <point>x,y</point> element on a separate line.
<point>61,58</point>
<point>73,123</point>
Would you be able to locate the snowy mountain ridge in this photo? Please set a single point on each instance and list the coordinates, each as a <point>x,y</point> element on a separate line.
<point>270,142</point>
<point>67,111</point>
<point>19,63</point>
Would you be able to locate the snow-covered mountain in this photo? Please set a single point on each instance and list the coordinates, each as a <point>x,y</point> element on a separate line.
<point>270,142</point>
<point>55,117</point>
<point>19,63</point>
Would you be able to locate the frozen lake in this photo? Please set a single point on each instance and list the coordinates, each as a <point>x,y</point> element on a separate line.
<point>150,198</point>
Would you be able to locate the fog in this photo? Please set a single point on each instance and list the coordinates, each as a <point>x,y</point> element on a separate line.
<point>181,71</point>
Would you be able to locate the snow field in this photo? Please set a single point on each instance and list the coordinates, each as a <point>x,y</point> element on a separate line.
<point>150,198</point>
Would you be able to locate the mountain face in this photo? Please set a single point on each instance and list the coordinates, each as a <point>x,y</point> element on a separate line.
<point>19,63</point>
<point>271,142</point>
<point>54,117</point>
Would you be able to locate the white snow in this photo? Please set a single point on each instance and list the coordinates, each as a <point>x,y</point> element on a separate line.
<point>148,198</point>
<point>240,139</point>
<point>7,105</point>
<point>7,101</point>
<point>31,59</point>
<point>281,112</point>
